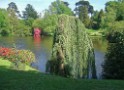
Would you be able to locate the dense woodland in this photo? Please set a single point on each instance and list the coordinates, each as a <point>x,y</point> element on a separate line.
<point>107,20</point>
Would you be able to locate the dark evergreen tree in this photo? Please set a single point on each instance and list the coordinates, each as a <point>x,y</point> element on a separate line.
<point>94,20</point>
<point>66,3</point>
<point>113,67</point>
<point>29,12</point>
<point>13,7</point>
<point>100,17</point>
<point>83,8</point>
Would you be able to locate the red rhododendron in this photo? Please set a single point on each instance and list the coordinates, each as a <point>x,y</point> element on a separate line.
<point>14,55</point>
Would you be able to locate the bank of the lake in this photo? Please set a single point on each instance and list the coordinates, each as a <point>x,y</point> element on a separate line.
<point>33,80</point>
<point>9,65</point>
<point>100,33</point>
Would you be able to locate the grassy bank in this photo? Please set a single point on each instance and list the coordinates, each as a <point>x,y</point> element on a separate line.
<point>33,80</point>
<point>92,32</point>
<point>9,65</point>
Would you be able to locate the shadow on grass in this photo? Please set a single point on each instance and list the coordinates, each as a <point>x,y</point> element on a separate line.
<point>34,80</point>
<point>27,80</point>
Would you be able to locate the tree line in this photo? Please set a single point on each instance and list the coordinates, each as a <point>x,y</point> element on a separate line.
<point>13,23</point>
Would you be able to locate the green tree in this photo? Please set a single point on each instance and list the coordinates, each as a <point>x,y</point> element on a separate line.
<point>94,18</point>
<point>72,53</point>
<point>4,23</point>
<point>13,6</point>
<point>47,24</point>
<point>23,30</point>
<point>66,3</point>
<point>29,12</point>
<point>115,27</point>
<point>117,7</point>
<point>114,12</point>
<point>84,3</point>
<point>10,25</point>
<point>13,21</point>
<point>113,67</point>
<point>17,27</point>
<point>85,17</point>
<point>83,8</point>
<point>120,12</point>
<point>29,16</point>
<point>100,18</point>
<point>103,19</point>
<point>29,22</point>
<point>59,7</point>
<point>111,5</point>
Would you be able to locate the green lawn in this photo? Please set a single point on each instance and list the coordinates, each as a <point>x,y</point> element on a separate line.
<point>34,80</point>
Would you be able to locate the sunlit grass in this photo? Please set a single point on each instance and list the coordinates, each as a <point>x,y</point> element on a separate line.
<point>92,32</point>
<point>34,80</point>
<point>8,64</point>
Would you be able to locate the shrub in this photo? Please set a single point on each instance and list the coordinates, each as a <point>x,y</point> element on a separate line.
<point>26,56</point>
<point>113,67</point>
<point>14,55</point>
<point>5,52</point>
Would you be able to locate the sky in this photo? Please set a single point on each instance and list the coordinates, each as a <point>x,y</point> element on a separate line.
<point>41,5</point>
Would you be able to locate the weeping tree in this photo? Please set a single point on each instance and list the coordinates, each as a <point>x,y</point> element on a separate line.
<point>72,53</point>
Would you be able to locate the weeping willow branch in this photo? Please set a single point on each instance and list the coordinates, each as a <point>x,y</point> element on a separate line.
<point>72,53</point>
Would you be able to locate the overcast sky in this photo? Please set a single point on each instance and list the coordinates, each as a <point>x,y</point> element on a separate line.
<point>41,5</point>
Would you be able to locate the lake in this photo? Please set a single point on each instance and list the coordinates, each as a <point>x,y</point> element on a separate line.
<point>42,47</point>
<point>100,47</point>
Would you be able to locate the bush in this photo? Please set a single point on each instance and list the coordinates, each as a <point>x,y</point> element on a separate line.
<point>5,52</point>
<point>47,24</point>
<point>23,56</point>
<point>114,27</point>
<point>113,67</point>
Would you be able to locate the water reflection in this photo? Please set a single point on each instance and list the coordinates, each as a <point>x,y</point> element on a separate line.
<point>42,53</point>
<point>100,45</point>
<point>99,59</point>
<point>37,42</point>
<point>41,47</point>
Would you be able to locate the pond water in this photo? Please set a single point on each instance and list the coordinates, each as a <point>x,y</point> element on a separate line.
<point>41,47</point>
<point>100,47</point>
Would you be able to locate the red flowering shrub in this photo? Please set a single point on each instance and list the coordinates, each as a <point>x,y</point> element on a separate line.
<point>5,52</point>
<point>23,56</point>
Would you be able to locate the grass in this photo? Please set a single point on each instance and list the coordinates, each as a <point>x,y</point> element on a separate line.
<point>9,65</point>
<point>34,80</point>
<point>92,32</point>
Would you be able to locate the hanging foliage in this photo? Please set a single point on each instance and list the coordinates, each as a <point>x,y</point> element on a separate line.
<point>72,53</point>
